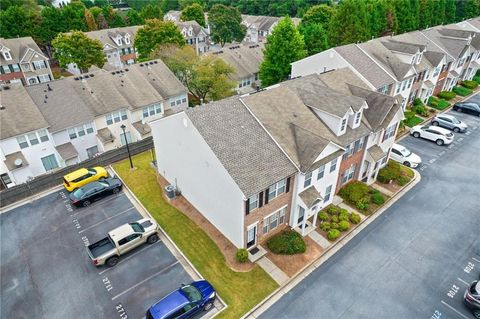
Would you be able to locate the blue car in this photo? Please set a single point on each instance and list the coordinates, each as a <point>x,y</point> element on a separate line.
<point>184,302</point>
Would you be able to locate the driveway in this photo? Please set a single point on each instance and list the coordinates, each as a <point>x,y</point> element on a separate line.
<point>415,260</point>
<point>46,272</point>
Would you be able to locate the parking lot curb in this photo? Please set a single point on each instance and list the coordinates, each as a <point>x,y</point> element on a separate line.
<point>329,252</point>
<point>30,199</point>
<point>169,243</point>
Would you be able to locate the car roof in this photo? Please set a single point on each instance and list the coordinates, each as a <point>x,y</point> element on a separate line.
<point>169,303</point>
<point>121,232</point>
<point>75,174</point>
<point>446,116</point>
<point>438,129</point>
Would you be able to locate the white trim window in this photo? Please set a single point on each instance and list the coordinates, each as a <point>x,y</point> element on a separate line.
<point>116,117</point>
<point>38,65</point>
<point>43,135</point>
<point>348,174</point>
<point>80,130</point>
<point>253,202</point>
<point>343,126</point>
<point>321,172</point>
<point>328,193</point>
<point>152,110</point>
<point>273,220</point>
<point>308,180</point>
<point>389,132</point>
<point>44,78</point>
<point>358,116</point>
<point>32,137</point>
<point>277,189</point>
<point>7,55</point>
<point>333,165</point>
<point>22,141</point>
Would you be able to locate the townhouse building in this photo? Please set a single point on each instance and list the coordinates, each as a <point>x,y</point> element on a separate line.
<point>21,60</point>
<point>259,27</point>
<point>195,35</point>
<point>272,159</point>
<point>246,60</point>
<point>73,119</point>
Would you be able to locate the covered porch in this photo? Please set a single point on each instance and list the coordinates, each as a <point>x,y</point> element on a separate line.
<point>311,202</point>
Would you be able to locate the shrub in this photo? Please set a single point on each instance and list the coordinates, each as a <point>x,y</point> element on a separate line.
<point>323,216</point>
<point>332,210</point>
<point>409,115</point>
<point>343,225</point>
<point>333,234</point>
<point>343,211</point>
<point>477,78</point>
<point>334,226</point>
<point>469,84</point>
<point>354,191</point>
<point>362,203</point>
<point>462,91</point>
<point>433,101</point>
<point>420,109</point>
<point>241,255</point>
<point>325,226</point>
<point>447,95</point>
<point>287,242</point>
<point>334,219</point>
<point>390,172</point>
<point>417,101</point>
<point>377,199</point>
<point>343,216</point>
<point>354,218</point>
<point>374,190</point>
<point>402,180</point>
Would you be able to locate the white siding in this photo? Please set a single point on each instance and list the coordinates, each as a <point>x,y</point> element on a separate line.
<point>318,63</point>
<point>186,160</point>
<point>80,143</point>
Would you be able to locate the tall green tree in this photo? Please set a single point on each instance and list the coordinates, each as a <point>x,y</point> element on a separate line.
<point>90,21</point>
<point>284,46</point>
<point>450,9</point>
<point>151,11</point>
<point>415,15</point>
<point>77,48</point>
<point>206,76</point>
<point>403,11</point>
<point>226,24</point>
<point>155,33</point>
<point>193,12</point>
<point>186,3</point>
<point>467,9</point>
<point>438,16</point>
<point>426,13</point>
<point>320,14</point>
<point>382,17</point>
<point>350,23</point>
<point>315,37</point>
<point>73,17</point>
<point>17,22</point>
<point>134,18</point>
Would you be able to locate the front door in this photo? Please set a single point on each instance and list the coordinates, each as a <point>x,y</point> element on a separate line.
<point>301,215</point>
<point>251,236</point>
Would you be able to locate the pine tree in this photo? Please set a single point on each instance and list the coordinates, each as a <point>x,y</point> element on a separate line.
<point>284,46</point>
<point>350,23</point>
<point>450,9</point>
<point>426,14</point>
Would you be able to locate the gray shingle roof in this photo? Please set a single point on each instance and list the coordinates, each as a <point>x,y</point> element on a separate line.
<point>443,37</point>
<point>310,196</point>
<point>402,46</point>
<point>105,135</point>
<point>243,147</point>
<point>11,158</point>
<point>196,28</point>
<point>376,153</point>
<point>264,23</point>
<point>420,38</point>
<point>67,151</point>
<point>61,106</point>
<point>245,59</point>
<point>366,66</point>
<point>20,114</point>
<point>18,47</point>
<point>105,35</point>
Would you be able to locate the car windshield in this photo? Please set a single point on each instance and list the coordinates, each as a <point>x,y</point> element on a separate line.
<point>191,293</point>
<point>103,183</point>
<point>137,227</point>
<point>455,121</point>
<point>92,171</point>
<point>79,192</point>
<point>405,152</point>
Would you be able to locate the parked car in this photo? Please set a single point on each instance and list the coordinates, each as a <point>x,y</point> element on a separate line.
<point>83,176</point>
<point>403,155</point>
<point>467,107</point>
<point>471,298</point>
<point>121,240</point>
<point>94,191</point>
<point>450,122</point>
<point>184,302</point>
<point>437,134</point>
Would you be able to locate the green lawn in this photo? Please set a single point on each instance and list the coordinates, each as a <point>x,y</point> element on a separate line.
<point>411,122</point>
<point>439,104</point>
<point>241,291</point>
<point>462,91</point>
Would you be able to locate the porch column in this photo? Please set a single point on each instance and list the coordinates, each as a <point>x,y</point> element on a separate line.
<point>315,219</point>
<point>304,222</point>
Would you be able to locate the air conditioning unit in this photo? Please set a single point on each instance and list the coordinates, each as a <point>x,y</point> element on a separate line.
<point>170,191</point>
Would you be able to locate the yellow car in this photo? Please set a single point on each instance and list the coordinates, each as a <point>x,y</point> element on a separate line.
<point>83,176</point>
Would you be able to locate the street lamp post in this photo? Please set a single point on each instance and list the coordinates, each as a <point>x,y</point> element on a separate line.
<point>126,142</point>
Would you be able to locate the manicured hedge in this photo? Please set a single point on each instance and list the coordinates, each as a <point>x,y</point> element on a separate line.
<point>447,95</point>
<point>419,109</point>
<point>333,234</point>
<point>469,84</point>
<point>287,242</point>
<point>390,172</point>
<point>439,104</point>
<point>241,255</point>
<point>462,91</point>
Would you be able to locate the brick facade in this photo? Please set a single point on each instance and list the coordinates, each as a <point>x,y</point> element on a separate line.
<point>440,82</point>
<point>258,214</point>
<point>11,76</point>
<point>349,161</point>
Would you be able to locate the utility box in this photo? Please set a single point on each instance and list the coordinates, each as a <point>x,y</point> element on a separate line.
<point>170,191</point>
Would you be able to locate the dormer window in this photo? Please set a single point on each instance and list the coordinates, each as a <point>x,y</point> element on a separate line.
<point>344,124</point>
<point>413,59</point>
<point>419,58</point>
<point>190,32</point>
<point>119,40</point>
<point>7,55</point>
<point>127,39</point>
<point>358,116</point>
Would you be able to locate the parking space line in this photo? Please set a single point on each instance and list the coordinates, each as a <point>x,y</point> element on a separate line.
<point>458,312</point>
<point>466,283</point>
<point>478,261</point>
<point>127,258</point>
<point>145,280</point>
<point>106,219</point>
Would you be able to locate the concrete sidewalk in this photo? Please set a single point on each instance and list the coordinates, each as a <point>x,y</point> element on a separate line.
<point>329,252</point>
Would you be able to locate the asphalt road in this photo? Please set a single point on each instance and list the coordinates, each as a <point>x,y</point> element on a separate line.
<point>415,260</point>
<point>46,272</point>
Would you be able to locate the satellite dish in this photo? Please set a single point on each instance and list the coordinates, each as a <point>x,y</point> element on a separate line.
<point>18,162</point>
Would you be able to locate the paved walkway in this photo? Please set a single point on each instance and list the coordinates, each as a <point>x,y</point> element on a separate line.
<point>319,239</point>
<point>383,189</point>
<point>270,268</point>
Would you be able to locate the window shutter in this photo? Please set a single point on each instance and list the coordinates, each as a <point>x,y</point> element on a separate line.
<point>266,196</point>
<point>260,199</point>
<point>247,206</point>
<point>33,64</point>
<point>287,187</point>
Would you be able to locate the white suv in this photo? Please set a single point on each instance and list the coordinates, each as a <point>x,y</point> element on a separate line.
<point>437,134</point>
<point>403,155</point>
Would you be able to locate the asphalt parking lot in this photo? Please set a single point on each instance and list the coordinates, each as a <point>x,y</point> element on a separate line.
<point>415,260</point>
<point>46,272</point>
